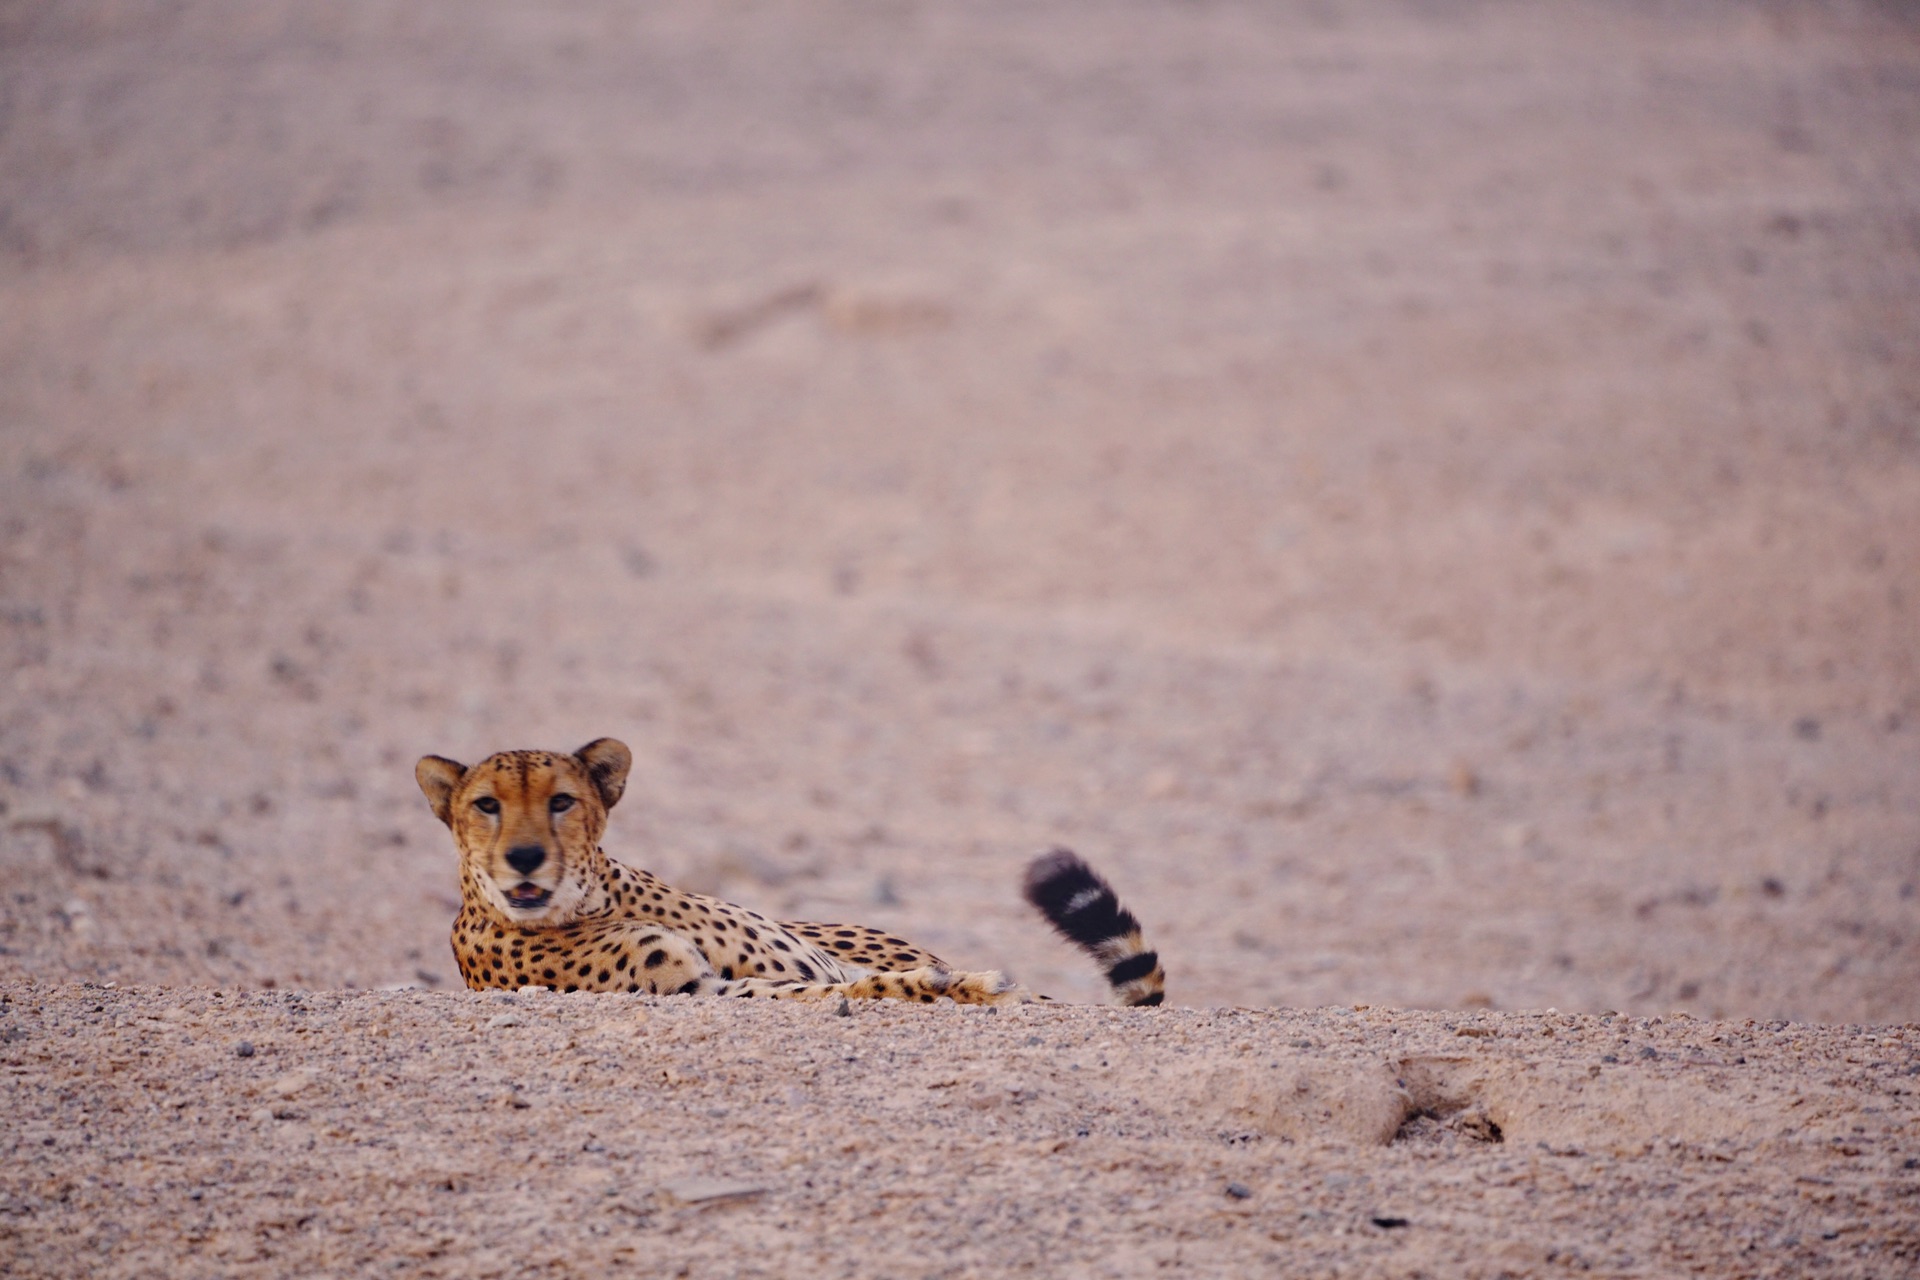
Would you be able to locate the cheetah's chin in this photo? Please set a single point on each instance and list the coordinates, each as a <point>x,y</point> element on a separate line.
<point>528,896</point>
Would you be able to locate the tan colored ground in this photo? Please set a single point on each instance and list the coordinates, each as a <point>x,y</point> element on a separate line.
<point>1427,497</point>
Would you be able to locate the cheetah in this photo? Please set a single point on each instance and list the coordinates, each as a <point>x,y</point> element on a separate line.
<point>542,905</point>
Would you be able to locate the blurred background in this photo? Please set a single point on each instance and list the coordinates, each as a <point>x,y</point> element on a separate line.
<point>1425,495</point>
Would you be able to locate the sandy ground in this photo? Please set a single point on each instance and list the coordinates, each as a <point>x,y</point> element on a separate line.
<point>428,1134</point>
<point>1426,496</point>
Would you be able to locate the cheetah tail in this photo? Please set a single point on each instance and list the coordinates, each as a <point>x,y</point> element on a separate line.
<point>1087,912</point>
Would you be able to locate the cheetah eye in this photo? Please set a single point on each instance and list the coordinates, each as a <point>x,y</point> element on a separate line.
<point>560,804</point>
<point>487,804</point>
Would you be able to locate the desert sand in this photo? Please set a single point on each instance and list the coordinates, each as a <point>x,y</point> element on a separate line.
<point>1426,497</point>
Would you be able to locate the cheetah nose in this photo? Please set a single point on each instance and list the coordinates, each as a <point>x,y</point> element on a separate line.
<point>524,858</point>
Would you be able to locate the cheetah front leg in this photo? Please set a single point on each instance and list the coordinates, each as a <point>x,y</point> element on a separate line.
<point>624,957</point>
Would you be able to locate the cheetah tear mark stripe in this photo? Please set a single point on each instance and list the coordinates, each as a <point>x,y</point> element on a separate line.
<point>1087,912</point>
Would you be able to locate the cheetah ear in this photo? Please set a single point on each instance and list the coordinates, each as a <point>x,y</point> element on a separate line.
<point>607,761</point>
<point>438,776</point>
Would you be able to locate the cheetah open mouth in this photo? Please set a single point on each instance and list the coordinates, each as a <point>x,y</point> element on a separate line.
<point>528,896</point>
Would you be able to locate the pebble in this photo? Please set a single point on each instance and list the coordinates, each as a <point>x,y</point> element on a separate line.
<point>292,1083</point>
<point>506,1020</point>
<point>709,1190</point>
<point>1239,1190</point>
<point>244,1049</point>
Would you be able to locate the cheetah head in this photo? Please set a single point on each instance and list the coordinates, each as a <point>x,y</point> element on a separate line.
<point>528,824</point>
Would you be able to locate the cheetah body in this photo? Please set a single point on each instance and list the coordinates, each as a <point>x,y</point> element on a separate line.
<point>543,905</point>
<point>635,934</point>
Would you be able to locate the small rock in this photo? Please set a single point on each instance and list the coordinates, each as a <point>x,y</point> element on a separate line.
<point>1388,1224</point>
<point>261,1115</point>
<point>845,1010</point>
<point>505,1020</point>
<point>1239,1191</point>
<point>244,1049</point>
<point>709,1190</point>
<point>292,1083</point>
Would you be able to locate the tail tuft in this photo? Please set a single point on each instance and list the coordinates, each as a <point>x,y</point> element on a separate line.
<point>1087,912</point>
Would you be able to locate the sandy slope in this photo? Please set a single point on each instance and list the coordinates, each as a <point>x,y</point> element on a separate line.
<point>1427,497</point>
<point>467,1135</point>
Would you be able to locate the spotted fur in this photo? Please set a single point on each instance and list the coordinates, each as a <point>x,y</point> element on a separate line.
<point>543,905</point>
